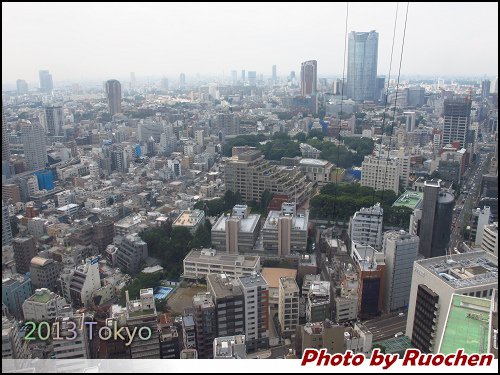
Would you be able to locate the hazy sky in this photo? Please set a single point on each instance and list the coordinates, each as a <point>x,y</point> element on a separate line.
<point>93,41</point>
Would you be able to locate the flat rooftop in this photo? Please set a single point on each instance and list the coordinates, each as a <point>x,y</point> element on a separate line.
<point>272,275</point>
<point>254,280</point>
<point>464,270</point>
<point>41,296</point>
<point>411,199</point>
<point>223,286</point>
<point>289,284</point>
<point>247,225</point>
<point>189,218</point>
<point>467,325</point>
<point>299,222</point>
<point>196,256</point>
<point>315,162</point>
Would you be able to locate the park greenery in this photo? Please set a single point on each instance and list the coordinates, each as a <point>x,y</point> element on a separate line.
<point>338,202</point>
<point>217,206</point>
<point>281,145</point>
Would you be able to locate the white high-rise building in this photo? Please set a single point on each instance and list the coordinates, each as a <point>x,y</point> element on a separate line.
<point>434,281</point>
<point>381,173</point>
<point>365,226</point>
<point>483,219</point>
<point>78,284</point>
<point>411,118</point>
<point>34,143</point>
<point>489,241</point>
<point>400,249</point>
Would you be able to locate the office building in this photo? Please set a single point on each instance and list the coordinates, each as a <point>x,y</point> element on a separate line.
<point>285,231</point>
<point>34,144</point>
<point>481,217</point>
<point>205,321</point>
<point>318,301</point>
<point>434,282</point>
<point>15,290</point>
<point>44,305</point>
<point>142,313</point>
<point>200,263</point>
<point>309,77</point>
<point>54,121</point>
<point>22,87</point>
<point>13,345</point>
<point>229,303</point>
<point>400,249</point>
<point>456,126</point>
<point>345,305</point>
<point>320,335</point>
<point>252,78</point>
<point>381,173</point>
<point>46,84</point>
<point>45,273</point>
<point>229,123</point>
<point>256,320</point>
<point>370,265</point>
<point>24,250</point>
<point>274,75</point>
<point>485,89</point>
<point>104,231</point>
<point>114,96</point>
<point>6,227</point>
<point>188,329</point>
<point>5,139</point>
<point>411,118</point>
<point>132,251</point>
<point>272,277</point>
<point>362,61</point>
<point>236,233</point>
<point>489,241</point>
<point>366,225</point>
<point>79,283</point>
<point>432,223</point>
<point>182,80</point>
<point>230,347</point>
<point>250,174</point>
<point>318,171</point>
<point>234,77</point>
<point>288,305</point>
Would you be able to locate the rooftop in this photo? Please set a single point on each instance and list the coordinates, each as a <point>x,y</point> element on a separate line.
<point>289,284</point>
<point>223,286</point>
<point>42,296</point>
<point>253,280</point>
<point>222,258</point>
<point>299,222</point>
<point>463,270</point>
<point>272,275</point>
<point>316,162</point>
<point>39,261</point>
<point>246,225</point>
<point>467,325</point>
<point>189,218</point>
<point>411,199</point>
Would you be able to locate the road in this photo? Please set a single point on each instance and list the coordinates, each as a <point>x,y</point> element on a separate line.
<point>471,183</point>
<point>387,326</point>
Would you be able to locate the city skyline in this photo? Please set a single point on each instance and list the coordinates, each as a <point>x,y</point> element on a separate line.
<point>207,47</point>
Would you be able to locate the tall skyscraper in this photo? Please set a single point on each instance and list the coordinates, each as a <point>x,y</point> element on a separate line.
<point>182,80</point>
<point>5,139</point>
<point>6,228</point>
<point>252,78</point>
<point>24,250</point>
<point>114,95</point>
<point>274,75</point>
<point>309,77</point>
<point>54,120</point>
<point>34,143</point>
<point>243,78</point>
<point>362,65</point>
<point>22,87</point>
<point>456,121</point>
<point>132,80</point>
<point>485,89</point>
<point>435,218</point>
<point>46,84</point>
<point>234,76</point>
<point>164,83</point>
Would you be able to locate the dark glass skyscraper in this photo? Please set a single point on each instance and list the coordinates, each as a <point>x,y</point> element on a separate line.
<point>309,77</point>
<point>456,120</point>
<point>54,120</point>
<point>362,65</point>
<point>114,95</point>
